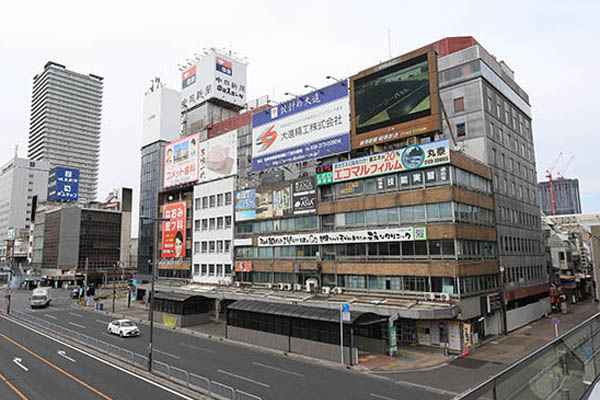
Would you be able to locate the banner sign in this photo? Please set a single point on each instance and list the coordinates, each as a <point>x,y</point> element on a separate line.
<point>368,236</point>
<point>245,205</point>
<point>305,196</point>
<point>310,126</point>
<point>218,157</point>
<point>181,161</point>
<point>243,266</point>
<point>173,237</point>
<point>407,158</point>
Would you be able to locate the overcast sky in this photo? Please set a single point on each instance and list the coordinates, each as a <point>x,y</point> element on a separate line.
<point>551,45</point>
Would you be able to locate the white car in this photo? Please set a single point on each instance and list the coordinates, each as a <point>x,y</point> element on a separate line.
<point>123,328</point>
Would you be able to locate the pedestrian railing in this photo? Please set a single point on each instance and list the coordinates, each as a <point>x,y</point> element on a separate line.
<point>191,381</point>
<point>567,368</point>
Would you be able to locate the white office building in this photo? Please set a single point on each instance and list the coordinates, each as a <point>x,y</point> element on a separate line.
<point>64,127</point>
<point>24,183</point>
<point>213,232</point>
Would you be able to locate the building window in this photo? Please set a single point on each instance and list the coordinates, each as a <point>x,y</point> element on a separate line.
<point>461,130</point>
<point>211,269</point>
<point>205,224</point>
<point>197,202</point>
<point>459,104</point>
<point>211,224</point>
<point>227,222</point>
<point>205,202</point>
<point>204,269</point>
<point>220,200</point>
<point>489,103</point>
<point>219,246</point>
<point>227,246</point>
<point>211,247</point>
<point>213,201</point>
<point>220,223</point>
<point>196,269</point>
<point>196,247</point>
<point>204,247</point>
<point>228,198</point>
<point>197,225</point>
<point>227,269</point>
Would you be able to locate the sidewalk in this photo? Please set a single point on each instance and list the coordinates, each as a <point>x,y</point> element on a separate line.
<point>408,358</point>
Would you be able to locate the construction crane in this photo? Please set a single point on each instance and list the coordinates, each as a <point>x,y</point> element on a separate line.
<point>549,176</point>
<point>561,174</point>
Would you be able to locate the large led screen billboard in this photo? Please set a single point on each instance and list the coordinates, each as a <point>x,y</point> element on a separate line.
<point>395,99</point>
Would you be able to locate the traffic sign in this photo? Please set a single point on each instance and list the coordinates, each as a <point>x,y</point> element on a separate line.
<point>346,316</point>
<point>346,307</point>
<point>555,321</point>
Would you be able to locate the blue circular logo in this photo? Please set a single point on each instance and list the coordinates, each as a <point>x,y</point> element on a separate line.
<point>413,157</point>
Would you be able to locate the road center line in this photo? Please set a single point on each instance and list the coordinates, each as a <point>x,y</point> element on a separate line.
<point>76,315</point>
<point>197,348</point>
<point>278,369</point>
<point>50,316</point>
<point>167,354</point>
<point>82,383</point>
<point>380,397</point>
<point>243,378</point>
<point>14,389</point>
<point>77,325</point>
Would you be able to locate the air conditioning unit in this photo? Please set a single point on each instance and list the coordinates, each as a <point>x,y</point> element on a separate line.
<point>237,283</point>
<point>430,296</point>
<point>445,296</point>
<point>287,286</point>
<point>297,286</point>
<point>280,286</point>
<point>269,285</point>
<point>312,285</point>
<point>337,290</point>
<point>325,290</point>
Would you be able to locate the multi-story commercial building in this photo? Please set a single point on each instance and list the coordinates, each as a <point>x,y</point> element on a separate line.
<point>567,199</point>
<point>66,111</point>
<point>490,114</point>
<point>24,183</point>
<point>160,125</point>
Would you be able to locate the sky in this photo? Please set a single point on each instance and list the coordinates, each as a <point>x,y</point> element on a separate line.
<point>551,45</point>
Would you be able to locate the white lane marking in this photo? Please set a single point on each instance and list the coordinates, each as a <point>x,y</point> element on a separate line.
<point>243,378</point>
<point>102,322</point>
<point>167,354</point>
<point>141,378</point>
<point>198,348</point>
<point>76,315</point>
<point>278,369</point>
<point>77,325</point>
<point>428,388</point>
<point>63,354</point>
<point>18,361</point>
<point>50,316</point>
<point>380,397</point>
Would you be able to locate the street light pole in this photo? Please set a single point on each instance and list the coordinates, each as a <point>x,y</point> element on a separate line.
<point>114,288</point>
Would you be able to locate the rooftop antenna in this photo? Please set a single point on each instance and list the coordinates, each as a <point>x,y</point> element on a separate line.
<point>16,151</point>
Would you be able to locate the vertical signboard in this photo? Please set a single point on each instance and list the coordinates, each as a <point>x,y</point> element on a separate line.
<point>181,161</point>
<point>305,196</point>
<point>173,230</point>
<point>63,184</point>
<point>305,128</point>
<point>245,205</point>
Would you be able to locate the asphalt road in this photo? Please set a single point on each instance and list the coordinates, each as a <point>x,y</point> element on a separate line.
<point>36,367</point>
<point>265,374</point>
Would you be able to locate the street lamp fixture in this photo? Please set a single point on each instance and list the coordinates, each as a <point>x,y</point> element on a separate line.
<point>334,78</point>
<point>154,251</point>
<point>310,87</point>
<point>290,94</point>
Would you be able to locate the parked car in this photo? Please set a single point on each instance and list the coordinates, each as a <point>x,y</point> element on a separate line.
<point>123,328</point>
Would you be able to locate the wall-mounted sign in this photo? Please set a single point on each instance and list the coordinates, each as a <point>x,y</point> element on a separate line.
<point>367,236</point>
<point>243,266</point>
<point>181,161</point>
<point>173,232</point>
<point>245,205</point>
<point>407,158</point>
<point>305,196</point>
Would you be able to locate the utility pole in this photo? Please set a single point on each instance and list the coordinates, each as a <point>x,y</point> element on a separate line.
<point>114,287</point>
<point>85,283</point>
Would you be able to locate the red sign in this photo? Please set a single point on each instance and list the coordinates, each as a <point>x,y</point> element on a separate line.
<point>243,266</point>
<point>173,238</point>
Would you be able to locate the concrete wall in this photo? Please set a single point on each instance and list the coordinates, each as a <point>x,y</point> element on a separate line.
<point>68,244</point>
<point>310,348</point>
<point>523,315</point>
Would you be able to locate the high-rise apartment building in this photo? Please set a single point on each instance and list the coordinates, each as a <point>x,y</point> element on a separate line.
<point>490,114</point>
<point>66,111</point>
<point>24,183</point>
<point>566,197</point>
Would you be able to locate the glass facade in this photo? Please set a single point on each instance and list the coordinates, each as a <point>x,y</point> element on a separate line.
<point>100,238</point>
<point>150,184</point>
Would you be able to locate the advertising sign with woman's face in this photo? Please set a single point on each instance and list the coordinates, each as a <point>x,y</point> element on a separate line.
<point>173,243</point>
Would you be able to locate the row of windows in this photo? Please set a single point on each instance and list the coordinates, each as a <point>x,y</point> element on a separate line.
<point>516,245</point>
<point>211,224</point>
<point>214,200</point>
<point>212,246</point>
<point>524,274</point>
<point>505,214</point>
<point>285,225</point>
<point>467,249</point>
<point>212,269</point>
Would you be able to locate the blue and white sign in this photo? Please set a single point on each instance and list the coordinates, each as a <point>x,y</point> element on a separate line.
<point>311,126</point>
<point>63,184</point>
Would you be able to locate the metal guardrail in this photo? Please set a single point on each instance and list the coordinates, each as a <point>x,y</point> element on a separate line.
<point>176,375</point>
<point>563,369</point>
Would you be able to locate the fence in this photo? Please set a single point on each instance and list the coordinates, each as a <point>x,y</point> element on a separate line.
<point>564,369</point>
<point>179,376</point>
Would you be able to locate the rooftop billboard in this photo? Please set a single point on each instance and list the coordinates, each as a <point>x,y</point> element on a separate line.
<point>308,127</point>
<point>396,99</point>
<point>63,184</point>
